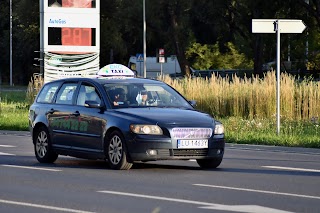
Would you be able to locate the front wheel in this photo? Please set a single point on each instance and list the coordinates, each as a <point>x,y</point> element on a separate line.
<point>116,152</point>
<point>209,163</point>
<point>43,147</point>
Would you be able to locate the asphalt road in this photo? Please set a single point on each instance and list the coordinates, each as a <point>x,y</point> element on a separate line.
<point>250,179</point>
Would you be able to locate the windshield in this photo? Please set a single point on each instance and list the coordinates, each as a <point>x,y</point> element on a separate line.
<point>127,95</point>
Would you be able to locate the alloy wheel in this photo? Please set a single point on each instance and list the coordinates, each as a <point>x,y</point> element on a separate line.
<point>115,150</point>
<point>42,144</point>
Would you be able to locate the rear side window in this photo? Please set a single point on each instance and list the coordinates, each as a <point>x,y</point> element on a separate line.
<point>66,93</point>
<point>47,93</point>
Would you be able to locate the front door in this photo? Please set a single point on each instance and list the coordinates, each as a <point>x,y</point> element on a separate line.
<point>88,123</point>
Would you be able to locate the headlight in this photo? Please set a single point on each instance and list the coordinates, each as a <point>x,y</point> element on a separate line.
<point>146,129</point>
<point>219,129</point>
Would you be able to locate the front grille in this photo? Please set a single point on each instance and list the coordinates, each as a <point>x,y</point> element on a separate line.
<point>191,133</point>
<point>190,152</point>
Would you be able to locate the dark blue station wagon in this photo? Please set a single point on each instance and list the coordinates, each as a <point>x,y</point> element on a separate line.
<point>122,121</point>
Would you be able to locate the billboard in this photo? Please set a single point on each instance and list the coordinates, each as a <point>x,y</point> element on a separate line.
<point>70,38</point>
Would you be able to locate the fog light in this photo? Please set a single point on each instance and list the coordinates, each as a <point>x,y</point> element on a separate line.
<point>219,151</point>
<point>152,152</point>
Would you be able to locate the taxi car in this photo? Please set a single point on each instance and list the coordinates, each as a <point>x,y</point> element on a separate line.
<point>104,118</point>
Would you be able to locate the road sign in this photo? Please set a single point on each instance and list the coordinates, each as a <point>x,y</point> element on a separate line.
<point>161,51</point>
<point>139,57</point>
<point>162,59</point>
<point>278,26</point>
<point>284,25</point>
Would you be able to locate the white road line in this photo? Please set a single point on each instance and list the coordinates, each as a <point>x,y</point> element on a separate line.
<point>30,167</point>
<point>291,168</point>
<point>7,146</point>
<point>4,153</point>
<point>258,191</point>
<point>205,205</point>
<point>43,206</point>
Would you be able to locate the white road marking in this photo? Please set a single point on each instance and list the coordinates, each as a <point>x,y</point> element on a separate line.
<point>7,146</point>
<point>259,191</point>
<point>245,208</point>
<point>3,153</point>
<point>291,168</point>
<point>30,167</point>
<point>234,208</point>
<point>43,206</point>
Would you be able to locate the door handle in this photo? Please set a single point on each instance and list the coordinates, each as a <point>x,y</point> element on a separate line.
<point>76,113</point>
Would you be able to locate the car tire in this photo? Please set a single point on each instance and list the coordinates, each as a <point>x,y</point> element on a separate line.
<point>43,147</point>
<point>116,152</point>
<point>209,163</point>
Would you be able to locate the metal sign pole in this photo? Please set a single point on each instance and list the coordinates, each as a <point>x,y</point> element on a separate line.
<point>11,43</point>
<point>277,29</point>
<point>144,40</point>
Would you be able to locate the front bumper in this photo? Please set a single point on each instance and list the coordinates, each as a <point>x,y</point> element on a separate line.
<point>146,148</point>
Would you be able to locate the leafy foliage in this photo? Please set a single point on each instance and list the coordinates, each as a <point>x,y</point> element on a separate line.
<point>205,57</point>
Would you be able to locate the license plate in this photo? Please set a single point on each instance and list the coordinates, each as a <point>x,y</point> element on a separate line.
<point>192,144</point>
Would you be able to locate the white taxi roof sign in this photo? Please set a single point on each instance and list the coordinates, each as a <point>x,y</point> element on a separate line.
<point>115,70</point>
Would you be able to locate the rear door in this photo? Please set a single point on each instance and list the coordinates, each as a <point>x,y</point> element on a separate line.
<point>60,116</point>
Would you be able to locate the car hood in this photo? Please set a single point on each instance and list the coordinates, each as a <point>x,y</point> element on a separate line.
<point>167,116</point>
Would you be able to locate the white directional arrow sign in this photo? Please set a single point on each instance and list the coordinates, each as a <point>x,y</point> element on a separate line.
<point>284,25</point>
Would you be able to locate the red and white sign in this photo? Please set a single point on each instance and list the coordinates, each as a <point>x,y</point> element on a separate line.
<point>161,51</point>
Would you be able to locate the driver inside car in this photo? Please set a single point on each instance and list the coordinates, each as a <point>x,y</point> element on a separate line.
<point>143,99</point>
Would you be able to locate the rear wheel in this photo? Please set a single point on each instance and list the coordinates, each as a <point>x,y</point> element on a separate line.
<point>116,152</point>
<point>43,147</point>
<point>209,163</point>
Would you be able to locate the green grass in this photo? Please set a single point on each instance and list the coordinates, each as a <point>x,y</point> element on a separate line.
<point>13,110</point>
<point>264,132</point>
<point>13,117</point>
<point>13,96</point>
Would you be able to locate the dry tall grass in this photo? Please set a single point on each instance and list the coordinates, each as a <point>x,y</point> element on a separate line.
<point>34,86</point>
<point>252,97</point>
<point>249,98</point>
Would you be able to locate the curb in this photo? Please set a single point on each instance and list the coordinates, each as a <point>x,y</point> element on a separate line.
<point>266,148</point>
<point>18,133</point>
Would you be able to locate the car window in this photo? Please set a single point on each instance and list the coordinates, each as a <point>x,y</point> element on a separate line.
<point>141,95</point>
<point>66,93</point>
<point>47,93</point>
<point>88,93</point>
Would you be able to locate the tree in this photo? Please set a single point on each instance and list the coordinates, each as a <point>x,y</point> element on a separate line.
<point>175,25</point>
<point>169,25</point>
